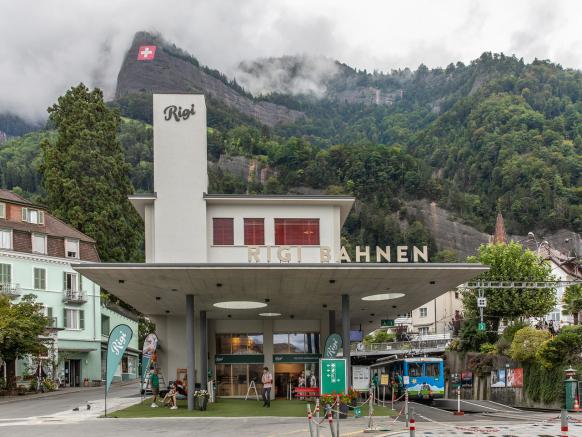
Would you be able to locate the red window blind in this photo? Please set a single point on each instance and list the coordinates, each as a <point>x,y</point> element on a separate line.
<point>296,232</point>
<point>223,232</point>
<point>254,231</point>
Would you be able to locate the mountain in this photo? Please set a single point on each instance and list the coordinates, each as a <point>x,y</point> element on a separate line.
<point>174,70</point>
<point>432,155</point>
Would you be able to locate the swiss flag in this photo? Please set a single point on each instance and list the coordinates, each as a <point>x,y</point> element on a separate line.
<point>146,53</point>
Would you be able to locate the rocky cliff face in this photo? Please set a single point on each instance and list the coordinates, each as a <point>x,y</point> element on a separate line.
<point>173,71</point>
<point>465,240</point>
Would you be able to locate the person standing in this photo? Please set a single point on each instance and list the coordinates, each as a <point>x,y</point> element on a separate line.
<point>267,380</point>
<point>155,383</point>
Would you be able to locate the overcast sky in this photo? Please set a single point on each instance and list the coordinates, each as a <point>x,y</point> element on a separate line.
<point>48,45</point>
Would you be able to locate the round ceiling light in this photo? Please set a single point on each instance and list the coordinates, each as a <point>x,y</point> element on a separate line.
<point>383,296</point>
<point>270,314</point>
<point>240,305</point>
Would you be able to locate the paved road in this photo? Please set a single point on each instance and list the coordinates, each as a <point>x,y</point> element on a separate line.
<point>59,403</point>
<point>53,416</point>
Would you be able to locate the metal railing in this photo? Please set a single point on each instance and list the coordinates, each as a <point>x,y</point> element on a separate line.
<point>74,296</point>
<point>11,290</point>
<point>418,343</point>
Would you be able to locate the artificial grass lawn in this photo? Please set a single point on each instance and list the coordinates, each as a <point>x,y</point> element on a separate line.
<point>234,408</point>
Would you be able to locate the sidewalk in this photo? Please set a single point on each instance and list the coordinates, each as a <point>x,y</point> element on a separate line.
<point>60,392</point>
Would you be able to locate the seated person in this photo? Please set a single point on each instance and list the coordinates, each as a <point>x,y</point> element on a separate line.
<point>170,398</point>
<point>181,392</point>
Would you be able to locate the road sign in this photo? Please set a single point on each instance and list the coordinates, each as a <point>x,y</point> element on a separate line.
<point>384,379</point>
<point>387,323</point>
<point>333,375</point>
<point>482,326</point>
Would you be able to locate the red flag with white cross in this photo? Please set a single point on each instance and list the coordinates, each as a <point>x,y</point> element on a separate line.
<point>146,53</point>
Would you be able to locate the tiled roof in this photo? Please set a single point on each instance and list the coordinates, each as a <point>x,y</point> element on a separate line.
<point>53,226</point>
<point>567,264</point>
<point>12,197</point>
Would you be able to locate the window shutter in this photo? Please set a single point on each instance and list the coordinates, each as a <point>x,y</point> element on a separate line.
<point>81,283</point>
<point>64,281</point>
<point>41,217</point>
<point>24,214</point>
<point>65,324</point>
<point>223,231</point>
<point>82,319</point>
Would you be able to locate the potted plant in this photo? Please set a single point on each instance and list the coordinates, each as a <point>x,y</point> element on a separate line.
<point>202,397</point>
<point>345,401</point>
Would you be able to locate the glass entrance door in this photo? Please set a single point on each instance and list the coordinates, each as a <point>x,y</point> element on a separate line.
<point>289,376</point>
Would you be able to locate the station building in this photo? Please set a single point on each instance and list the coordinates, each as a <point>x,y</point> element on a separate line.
<point>238,282</point>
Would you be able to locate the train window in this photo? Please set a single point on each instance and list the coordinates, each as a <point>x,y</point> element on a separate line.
<point>414,369</point>
<point>432,369</point>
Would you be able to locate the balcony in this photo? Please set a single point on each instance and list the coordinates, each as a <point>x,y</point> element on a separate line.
<point>10,290</point>
<point>74,296</point>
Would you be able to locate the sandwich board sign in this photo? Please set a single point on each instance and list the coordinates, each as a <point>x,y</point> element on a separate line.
<point>333,375</point>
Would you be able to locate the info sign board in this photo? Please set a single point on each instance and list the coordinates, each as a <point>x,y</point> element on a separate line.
<point>361,378</point>
<point>333,374</point>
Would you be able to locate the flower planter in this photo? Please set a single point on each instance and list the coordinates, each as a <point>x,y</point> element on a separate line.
<point>344,409</point>
<point>202,403</point>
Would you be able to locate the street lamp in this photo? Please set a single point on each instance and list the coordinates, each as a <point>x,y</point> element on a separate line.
<point>531,236</point>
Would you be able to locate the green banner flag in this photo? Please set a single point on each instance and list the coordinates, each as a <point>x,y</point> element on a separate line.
<point>119,339</point>
<point>333,344</point>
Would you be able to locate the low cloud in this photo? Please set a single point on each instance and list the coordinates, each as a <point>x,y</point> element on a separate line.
<point>49,46</point>
<point>287,75</point>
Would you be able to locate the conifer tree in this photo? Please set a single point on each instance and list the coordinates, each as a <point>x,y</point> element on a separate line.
<point>85,176</point>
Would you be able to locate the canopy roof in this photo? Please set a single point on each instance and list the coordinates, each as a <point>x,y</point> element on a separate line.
<point>304,291</point>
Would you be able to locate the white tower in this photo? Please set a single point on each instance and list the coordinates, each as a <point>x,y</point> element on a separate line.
<point>180,179</point>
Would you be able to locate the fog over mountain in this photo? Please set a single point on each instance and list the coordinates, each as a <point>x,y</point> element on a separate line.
<point>49,46</point>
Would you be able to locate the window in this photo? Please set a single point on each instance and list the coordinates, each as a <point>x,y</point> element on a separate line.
<point>5,274</point>
<point>296,343</point>
<point>2,210</point>
<point>33,216</point>
<point>254,231</point>
<point>423,312</point>
<point>296,232</point>
<point>423,330</point>
<point>39,278</point>
<point>233,379</point>
<point>414,369</point>
<point>242,344</point>
<point>39,243</point>
<point>223,231</point>
<point>48,311</point>
<point>432,369</point>
<point>74,319</point>
<point>105,325</point>
<point>5,238</point>
<point>71,248</point>
<point>70,281</point>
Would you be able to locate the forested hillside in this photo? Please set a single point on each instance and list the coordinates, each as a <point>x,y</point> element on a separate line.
<point>495,135</point>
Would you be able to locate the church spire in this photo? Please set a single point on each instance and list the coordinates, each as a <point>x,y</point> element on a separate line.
<point>500,236</point>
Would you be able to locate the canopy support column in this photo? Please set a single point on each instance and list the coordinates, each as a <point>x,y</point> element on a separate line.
<point>346,334</point>
<point>331,321</point>
<point>203,352</point>
<point>190,351</point>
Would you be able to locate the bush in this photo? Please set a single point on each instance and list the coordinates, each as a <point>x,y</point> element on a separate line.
<point>527,342</point>
<point>564,348</point>
<point>379,337</point>
<point>488,348</point>
<point>49,384</point>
